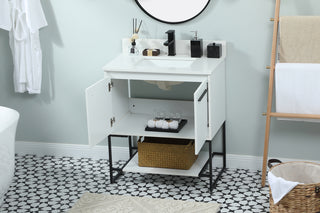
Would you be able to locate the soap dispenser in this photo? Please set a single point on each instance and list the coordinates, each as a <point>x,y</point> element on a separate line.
<point>196,46</point>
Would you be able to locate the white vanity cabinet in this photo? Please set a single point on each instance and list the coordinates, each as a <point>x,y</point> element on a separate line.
<point>112,111</point>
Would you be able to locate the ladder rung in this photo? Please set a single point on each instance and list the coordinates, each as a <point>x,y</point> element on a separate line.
<point>292,115</point>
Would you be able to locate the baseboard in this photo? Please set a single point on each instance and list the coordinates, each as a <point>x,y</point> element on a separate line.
<point>70,150</point>
<point>121,153</point>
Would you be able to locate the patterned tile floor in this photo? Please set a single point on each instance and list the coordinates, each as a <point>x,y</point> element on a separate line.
<point>49,184</point>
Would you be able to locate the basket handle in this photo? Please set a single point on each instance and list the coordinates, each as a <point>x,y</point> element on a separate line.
<point>271,161</point>
<point>188,145</point>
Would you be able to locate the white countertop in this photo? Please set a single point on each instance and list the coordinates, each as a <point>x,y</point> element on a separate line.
<point>132,63</point>
<point>181,63</point>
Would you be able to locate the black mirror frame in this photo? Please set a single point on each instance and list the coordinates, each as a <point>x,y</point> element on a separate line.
<point>168,22</point>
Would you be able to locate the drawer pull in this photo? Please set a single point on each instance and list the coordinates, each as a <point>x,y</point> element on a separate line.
<point>203,94</point>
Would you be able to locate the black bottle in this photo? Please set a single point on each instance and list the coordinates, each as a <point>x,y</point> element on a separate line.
<point>214,50</point>
<point>196,47</point>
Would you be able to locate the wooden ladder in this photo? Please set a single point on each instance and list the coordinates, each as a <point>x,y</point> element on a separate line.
<point>270,114</point>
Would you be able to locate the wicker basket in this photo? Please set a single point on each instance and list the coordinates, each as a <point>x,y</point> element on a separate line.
<point>304,198</point>
<point>166,153</point>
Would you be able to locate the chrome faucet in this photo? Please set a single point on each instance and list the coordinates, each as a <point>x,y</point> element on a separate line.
<point>171,43</point>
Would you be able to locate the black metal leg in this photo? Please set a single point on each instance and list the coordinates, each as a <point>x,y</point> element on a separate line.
<point>224,145</point>
<point>118,170</point>
<point>213,184</point>
<point>130,146</point>
<point>224,154</point>
<point>210,164</point>
<point>110,160</point>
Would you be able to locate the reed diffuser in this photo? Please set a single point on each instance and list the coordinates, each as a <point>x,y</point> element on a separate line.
<point>135,31</point>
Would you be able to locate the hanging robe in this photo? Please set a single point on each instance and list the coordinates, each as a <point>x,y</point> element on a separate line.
<point>26,17</point>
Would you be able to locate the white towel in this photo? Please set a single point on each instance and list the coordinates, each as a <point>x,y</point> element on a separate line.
<point>298,89</point>
<point>280,187</point>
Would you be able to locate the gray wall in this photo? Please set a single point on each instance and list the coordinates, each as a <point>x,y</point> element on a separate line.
<point>85,34</point>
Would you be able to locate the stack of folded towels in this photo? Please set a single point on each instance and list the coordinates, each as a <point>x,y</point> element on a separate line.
<point>163,124</point>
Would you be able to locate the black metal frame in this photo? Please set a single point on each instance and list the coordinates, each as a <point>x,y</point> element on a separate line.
<point>170,22</point>
<point>203,173</point>
<point>131,154</point>
<point>213,184</point>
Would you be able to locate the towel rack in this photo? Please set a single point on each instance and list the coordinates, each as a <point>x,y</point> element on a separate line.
<point>270,114</point>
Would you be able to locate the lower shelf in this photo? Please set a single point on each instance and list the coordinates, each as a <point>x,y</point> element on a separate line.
<point>194,171</point>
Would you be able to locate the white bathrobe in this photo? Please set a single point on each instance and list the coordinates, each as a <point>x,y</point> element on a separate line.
<point>26,17</point>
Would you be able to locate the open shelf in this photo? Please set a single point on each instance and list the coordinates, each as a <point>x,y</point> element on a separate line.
<point>134,124</point>
<point>194,171</point>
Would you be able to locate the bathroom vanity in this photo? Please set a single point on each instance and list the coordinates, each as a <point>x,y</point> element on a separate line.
<point>112,112</point>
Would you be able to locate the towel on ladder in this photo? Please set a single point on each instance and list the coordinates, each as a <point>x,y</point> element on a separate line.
<point>299,39</point>
<point>297,88</point>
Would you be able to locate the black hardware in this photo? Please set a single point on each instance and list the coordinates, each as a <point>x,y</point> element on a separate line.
<point>171,43</point>
<point>317,190</point>
<point>112,121</point>
<point>110,85</point>
<point>202,95</point>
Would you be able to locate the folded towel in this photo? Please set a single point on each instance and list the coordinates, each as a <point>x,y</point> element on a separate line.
<point>279,187</point>
<point>151,123</point>
<point>173,124</point>
<point>297,89</point>
<point>299,39</point>
<point>159,124</point>
<point>165,124</point>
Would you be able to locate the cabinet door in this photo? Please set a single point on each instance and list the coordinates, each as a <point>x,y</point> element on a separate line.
<point>200,99</point>
<point>99,111</point>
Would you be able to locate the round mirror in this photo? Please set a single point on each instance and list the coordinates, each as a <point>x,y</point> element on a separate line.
<point>173,11</point>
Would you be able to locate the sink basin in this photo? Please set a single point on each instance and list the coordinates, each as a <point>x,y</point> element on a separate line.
<point>167,62</point>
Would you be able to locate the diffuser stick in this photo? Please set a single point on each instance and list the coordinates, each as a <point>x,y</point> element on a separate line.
<point>135,26</point>
<point>137,31</point>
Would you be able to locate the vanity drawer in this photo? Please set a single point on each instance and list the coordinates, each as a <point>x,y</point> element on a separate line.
<point>170,153</point>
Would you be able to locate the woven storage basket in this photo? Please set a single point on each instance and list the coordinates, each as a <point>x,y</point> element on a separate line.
<point>304,198</point>
<point>166,153</point>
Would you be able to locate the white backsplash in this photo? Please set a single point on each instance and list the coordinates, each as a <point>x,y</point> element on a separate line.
<point>182,46</point>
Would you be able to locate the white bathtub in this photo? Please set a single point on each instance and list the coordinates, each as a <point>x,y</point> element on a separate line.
<point>8,125</point>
